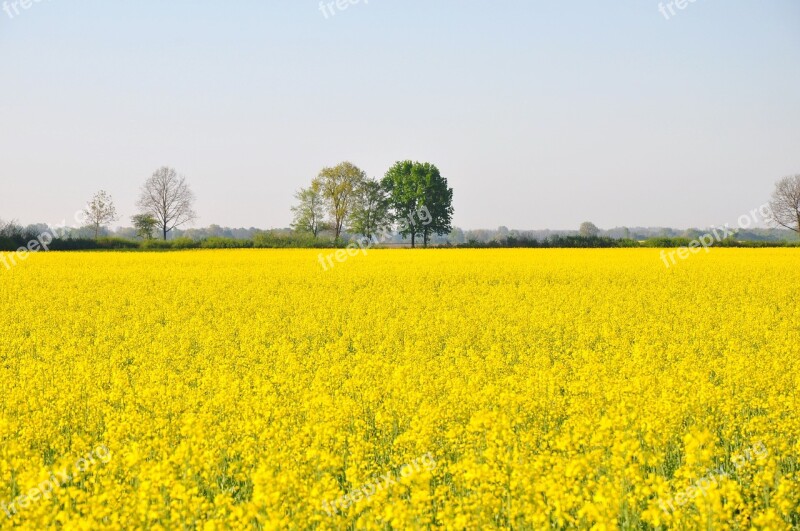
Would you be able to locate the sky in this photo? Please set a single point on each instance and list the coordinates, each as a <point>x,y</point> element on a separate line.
<point>541,114</point>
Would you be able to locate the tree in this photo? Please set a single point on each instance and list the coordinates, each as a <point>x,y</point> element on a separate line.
<point>420,199</point>
<point>309,214</point>
<point>167,197</point>
<point>589,230</point>
<point>10,229</point>
<point>438,201</point>
<point>338,186</point>
<point>144,224</point>
<point>402,187</point>
<point>457,236</point>
<point>785,204</point>
<point>99,212</point>
<point>370,210</point>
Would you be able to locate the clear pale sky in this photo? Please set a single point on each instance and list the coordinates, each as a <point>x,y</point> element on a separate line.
<point>541,114</point>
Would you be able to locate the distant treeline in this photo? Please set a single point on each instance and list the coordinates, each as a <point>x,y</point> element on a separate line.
<point>279,240</point>
<point>604,242</point>
<point>259,241</point>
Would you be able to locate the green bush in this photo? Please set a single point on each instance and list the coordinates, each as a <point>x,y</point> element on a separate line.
<point>116,243</point>
<point>156,244</point>
<point>666,242</point>
<point>554,242</point>
<point>8,243</point>
<point>271,240</point>
<point>216,242</point>
<point>177,243</point>
<point>73,244</point>
<point>184,243</point>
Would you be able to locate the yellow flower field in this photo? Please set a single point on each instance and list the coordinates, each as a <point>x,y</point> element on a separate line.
<point>462,389</point>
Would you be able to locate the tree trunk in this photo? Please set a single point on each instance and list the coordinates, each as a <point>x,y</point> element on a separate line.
<point>165,232</point>
<point>412,239</point>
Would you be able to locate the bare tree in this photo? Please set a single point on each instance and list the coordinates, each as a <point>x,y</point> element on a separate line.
<point>99,212</point>
<point>167,197</point>
<point>785,204</point>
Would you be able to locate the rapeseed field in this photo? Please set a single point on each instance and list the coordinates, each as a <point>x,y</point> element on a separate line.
<point>461,389</point>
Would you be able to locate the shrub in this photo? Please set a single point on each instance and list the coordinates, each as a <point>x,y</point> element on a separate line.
<point>271,240</point>
<point>116,243</point>
<point>156,244</point>
<point>666,242</point>
<point>184,243</point>
<point>216,242</point>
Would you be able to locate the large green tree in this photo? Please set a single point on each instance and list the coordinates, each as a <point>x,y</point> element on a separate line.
<point>421,201</point>
<point>438,201</point>
<point>339,188</point>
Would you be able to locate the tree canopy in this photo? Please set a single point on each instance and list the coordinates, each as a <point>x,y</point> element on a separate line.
<point>420,198</point>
